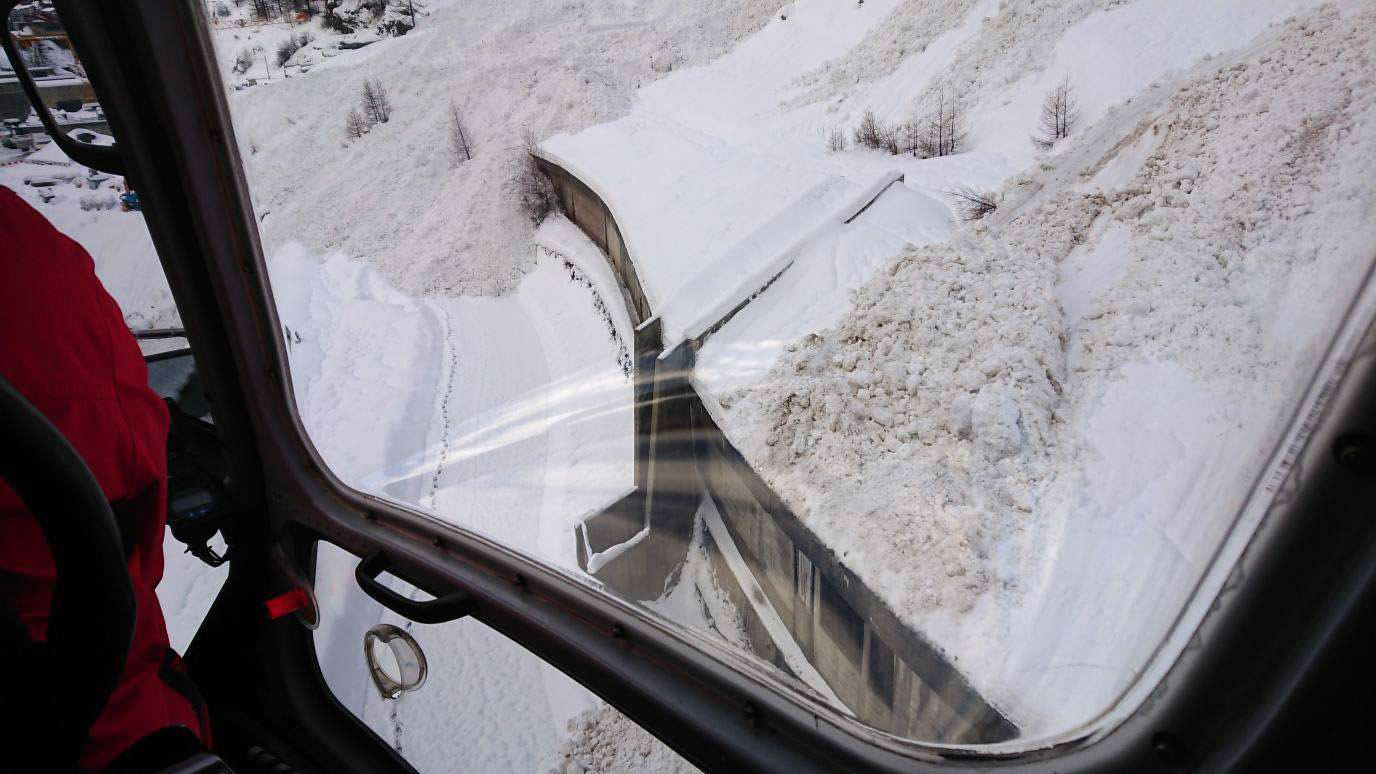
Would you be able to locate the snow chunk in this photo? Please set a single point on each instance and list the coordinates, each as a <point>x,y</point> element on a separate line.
<point>994,417</point>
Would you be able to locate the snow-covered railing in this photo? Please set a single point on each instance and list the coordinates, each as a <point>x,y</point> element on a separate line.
<point>727,306</point>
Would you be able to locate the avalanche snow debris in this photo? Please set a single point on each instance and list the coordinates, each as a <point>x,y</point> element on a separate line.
<point>1234,214</point>
<point>909,29</point>
<point>1200,283</point>
<point>901,434</point>
<point>606,742</point>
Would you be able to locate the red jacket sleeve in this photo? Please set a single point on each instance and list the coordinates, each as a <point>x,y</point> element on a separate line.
<point>64,345</point>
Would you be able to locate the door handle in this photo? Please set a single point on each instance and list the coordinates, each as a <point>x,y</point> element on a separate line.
<point>449,607</point>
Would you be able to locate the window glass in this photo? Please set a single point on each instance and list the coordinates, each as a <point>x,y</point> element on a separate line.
<point>486,704</point>
<point>103,214</point>
<point>927,352</point>
<point>97,210</point>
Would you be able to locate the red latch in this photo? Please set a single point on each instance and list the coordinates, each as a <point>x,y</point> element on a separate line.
<point>289,602</point>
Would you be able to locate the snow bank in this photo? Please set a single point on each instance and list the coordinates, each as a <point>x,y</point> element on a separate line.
<point>363,367</point>
<point>906,436</point>
<point>607,742</point>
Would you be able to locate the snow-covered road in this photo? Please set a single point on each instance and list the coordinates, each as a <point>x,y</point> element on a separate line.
<point>510,416</point>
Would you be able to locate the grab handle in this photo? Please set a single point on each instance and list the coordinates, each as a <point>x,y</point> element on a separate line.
<point>432,611</point>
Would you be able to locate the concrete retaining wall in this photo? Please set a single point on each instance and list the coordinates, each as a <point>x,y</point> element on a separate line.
<point>888,674</point>
<point>585,208</point>
<point>879,668</point>
<point>14,103</point>
<point>882,670</point>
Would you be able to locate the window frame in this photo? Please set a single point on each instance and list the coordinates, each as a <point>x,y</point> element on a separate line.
<point>1304,570</point>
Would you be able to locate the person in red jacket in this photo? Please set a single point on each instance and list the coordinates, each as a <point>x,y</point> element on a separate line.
<point>65,347</point>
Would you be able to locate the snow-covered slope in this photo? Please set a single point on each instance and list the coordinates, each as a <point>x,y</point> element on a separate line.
<point>395,197</point>
<point>1025,440</point>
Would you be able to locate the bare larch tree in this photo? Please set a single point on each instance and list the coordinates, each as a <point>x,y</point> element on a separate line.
<point>460,144</point>
<point>376,106</point>
<point>355,125</point>
<point>835,139</point>
<point>874,133</point>
<point>972,204</point>
<point>940,131</point>
<point>1060,110</point>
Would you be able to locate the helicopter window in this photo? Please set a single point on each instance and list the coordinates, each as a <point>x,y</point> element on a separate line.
<point>103,214</point>
<point>943,373</point>
<point>100,211</point>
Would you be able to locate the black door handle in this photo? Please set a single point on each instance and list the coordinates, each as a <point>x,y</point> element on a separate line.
<point>446,608</point>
